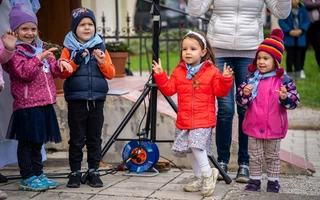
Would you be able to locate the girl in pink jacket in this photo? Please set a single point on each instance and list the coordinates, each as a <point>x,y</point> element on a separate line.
<point>268,92</point>
<point>7,45</point>
<point>33,121</point>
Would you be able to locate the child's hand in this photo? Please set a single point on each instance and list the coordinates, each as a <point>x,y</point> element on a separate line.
<point>47,54</point>
<point>282,92</point>
<point>80,55</point>
<point>247,90</point>
<point>227,71</point>
<point>99,55</point>
<point>65,65</point>
<point>157,67</point>
<point>1,88</point>
<point>9,40</point>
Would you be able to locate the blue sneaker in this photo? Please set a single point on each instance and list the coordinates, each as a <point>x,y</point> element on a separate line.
<point>33,184</point>
<point>51,183</point>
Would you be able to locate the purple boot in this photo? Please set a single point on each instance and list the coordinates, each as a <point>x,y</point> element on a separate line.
<point>253,185</point>
<point>273,186</point>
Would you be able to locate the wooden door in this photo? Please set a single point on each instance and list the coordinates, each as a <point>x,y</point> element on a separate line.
<point>54,19</point>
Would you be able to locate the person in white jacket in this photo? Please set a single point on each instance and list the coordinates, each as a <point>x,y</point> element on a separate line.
<point>235,31</point>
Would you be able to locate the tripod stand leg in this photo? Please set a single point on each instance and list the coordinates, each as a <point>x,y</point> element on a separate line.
<point>124,122</point>
<point>225,176</point>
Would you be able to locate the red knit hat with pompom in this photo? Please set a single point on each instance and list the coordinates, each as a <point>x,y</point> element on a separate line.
<point>273,45</point>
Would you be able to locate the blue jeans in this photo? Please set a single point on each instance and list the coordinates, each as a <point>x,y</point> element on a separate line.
<point>226,107</point>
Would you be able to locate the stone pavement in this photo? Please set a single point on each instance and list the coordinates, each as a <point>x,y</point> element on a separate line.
<point>165,186</point>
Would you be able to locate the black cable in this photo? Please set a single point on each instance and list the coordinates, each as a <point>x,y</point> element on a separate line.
<point>171,163</point>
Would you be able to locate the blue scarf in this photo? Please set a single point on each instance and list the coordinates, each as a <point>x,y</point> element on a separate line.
<point>37,50</point>
<point>193,70</point>
<point>74,45</point>
<point>256,79</point>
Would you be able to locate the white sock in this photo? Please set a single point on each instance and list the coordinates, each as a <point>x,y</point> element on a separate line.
<point>194,165</point>
<point>273,179</point>
<point>202,159</point>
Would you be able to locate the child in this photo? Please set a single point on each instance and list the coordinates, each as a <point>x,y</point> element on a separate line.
<point>33,121</point>
<point>295,27</point>
<point>7,45</point>
<point>197,81</point>
<point>85,91</point>
<point>268,92</point>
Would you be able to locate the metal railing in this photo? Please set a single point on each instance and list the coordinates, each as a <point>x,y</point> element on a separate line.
<point>140,37</point>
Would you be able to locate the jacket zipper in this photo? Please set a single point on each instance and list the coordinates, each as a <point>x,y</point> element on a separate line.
<point>26,92</point>
<point>192,104</point>
<point>47,84</point>
<point>90,79</point>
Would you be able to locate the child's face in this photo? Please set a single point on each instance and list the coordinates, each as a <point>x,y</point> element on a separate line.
<point>191,51</point>
<point>265,62</point>
<point>27,32</point>
<point>85,30</point>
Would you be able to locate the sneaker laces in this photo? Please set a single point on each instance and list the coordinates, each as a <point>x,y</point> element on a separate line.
<point>73,174</point>
<point>242,169</point>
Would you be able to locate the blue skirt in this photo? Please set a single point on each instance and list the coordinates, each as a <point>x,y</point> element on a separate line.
<point>36,124</point>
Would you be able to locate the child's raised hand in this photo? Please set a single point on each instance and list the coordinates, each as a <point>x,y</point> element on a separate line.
<point>247,90</point>
<point>80,55</point>
<point>65,65</point>
<point>47,54</point>
<point>99,55</point>
<point>227,71</point>
<point>9,40</point>
<point>282,92</point>
<point>156,67</point>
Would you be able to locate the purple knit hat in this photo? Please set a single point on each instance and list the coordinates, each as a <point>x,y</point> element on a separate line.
<point>20,14</point>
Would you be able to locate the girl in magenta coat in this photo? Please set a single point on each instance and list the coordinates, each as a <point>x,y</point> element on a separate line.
<point>268,92</point>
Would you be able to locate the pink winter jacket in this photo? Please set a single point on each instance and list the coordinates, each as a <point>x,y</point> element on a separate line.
<point>30,85</point>
<point>5,55</point>
<point>266,116</point>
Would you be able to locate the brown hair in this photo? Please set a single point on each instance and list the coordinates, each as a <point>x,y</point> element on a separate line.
<point>209,55</point>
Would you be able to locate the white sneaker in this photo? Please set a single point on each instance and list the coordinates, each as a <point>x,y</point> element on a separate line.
<point>302,74</point>
<point>195,184</point>
<point>209,183</point>
<point>3,195</point>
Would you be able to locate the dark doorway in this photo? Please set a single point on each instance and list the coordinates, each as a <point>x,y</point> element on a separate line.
<point>54,19</point>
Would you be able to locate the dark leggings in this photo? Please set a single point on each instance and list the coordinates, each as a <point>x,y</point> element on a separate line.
<point>29,159</point>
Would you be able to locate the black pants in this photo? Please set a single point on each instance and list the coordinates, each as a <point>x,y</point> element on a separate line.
<point>85,120</point>
<point>313,36</point>
<point>294,58</point>
<point>29,159</point>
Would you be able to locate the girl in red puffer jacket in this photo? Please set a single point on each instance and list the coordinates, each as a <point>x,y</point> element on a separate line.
<point>197,82</point>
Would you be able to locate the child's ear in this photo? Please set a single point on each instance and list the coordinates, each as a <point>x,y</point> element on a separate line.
<point>203,52</point>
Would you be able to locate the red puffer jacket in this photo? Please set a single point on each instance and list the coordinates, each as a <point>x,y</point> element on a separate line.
<point>196,105</point>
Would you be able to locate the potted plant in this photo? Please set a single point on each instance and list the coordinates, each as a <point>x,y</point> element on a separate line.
<point>118,52</point>
<point>57,81</point>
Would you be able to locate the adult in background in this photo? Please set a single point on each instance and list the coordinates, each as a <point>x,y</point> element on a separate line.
<point>313,33</point>
<point>235,30</point>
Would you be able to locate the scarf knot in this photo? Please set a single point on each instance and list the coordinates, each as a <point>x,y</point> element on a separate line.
<point>256,79</point>
<point>74,45</point>
<point>192,71</point>
<point>37,50</point>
